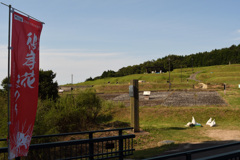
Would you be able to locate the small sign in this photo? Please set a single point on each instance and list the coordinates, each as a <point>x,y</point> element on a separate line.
<point>131,91</point>
<point>146,93</point>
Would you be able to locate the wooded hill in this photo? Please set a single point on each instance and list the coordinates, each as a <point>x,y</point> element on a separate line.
<point>215,57</point>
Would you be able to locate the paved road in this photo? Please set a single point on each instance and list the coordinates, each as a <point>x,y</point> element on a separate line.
<point>189,147</point>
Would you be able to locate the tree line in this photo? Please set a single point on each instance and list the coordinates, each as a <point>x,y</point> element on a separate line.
<point>215,57</point>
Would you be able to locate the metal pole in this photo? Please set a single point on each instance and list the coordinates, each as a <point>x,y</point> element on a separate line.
<point>9,50</point>
<point>120,145</point>
<point>91,147</point>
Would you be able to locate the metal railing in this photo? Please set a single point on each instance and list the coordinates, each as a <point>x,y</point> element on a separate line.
<point>234,155</point>
<point>108,147</point>
<point>188,155</point>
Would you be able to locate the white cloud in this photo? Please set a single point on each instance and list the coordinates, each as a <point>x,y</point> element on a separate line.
<point>78,53</point>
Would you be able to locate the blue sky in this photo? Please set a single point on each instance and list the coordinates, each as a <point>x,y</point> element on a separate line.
<point>87,37</point>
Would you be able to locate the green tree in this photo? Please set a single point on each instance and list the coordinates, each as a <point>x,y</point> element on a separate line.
<point>47,87</point>
<point>108,73</point>
<point>89,79</point>
<point>215,57</point>
<point>4,83</point>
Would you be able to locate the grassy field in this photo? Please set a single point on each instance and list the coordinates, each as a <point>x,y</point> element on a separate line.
<point>228,74</point>
<point>213,76</point>
<point>167,123</point>
<point>164,123</point>
<point>151,82</point>
<point>175,77</point>
<point>161,123</point>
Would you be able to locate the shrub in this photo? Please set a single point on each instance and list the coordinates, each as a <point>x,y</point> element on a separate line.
<point>89,104</point>
<point>68,114</point>
<point>4,117</point>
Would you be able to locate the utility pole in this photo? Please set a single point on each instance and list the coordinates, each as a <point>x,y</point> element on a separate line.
<point>169,74</point>
<point>192,65</point>
<point>181,73</point>
<point>72,78</point>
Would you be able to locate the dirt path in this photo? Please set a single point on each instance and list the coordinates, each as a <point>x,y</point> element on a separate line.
<point>224,135</point>
<point>194,75</point>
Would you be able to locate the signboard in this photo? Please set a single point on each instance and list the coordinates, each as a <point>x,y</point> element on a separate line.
<point>24,82</point>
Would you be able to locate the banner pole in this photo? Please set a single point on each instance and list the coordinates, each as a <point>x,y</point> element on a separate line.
<point>23,13</point>
<point>9,85</point>
<point>29,16</point>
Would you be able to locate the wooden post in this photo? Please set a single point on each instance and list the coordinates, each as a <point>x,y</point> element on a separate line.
<point>134,104</point>
<point>224,87</point>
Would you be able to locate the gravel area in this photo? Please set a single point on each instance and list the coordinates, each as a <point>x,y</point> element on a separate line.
<point>171,98</point>
<point>184,98</point>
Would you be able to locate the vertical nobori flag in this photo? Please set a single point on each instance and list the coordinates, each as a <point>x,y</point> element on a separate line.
<point>24,82</point>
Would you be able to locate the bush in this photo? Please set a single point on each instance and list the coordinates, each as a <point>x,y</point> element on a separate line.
<point>68,114</point>
<point>89,104</point>
<point>4,118</point>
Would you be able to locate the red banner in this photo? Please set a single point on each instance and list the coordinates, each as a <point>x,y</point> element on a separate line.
<point>24,82</point>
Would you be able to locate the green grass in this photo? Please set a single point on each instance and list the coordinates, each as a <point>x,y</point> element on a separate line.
<point>167,123</point>
<point>159,122</point>
<point>221,74</point>
<point>212,75</point>
<point>151,82</point>
<point>175,76</point>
